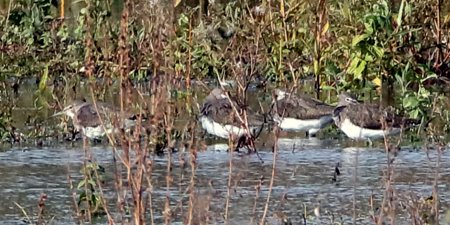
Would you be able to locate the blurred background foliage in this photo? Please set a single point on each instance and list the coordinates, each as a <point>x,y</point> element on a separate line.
<point>397,49</point>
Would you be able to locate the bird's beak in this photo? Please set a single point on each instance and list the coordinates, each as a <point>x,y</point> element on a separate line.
<point>58,114</point>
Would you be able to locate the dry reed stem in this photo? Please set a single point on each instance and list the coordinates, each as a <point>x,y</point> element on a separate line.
<point>86,176</point>
<point>230,173</point>
<point>435,194</point>
<point>258,192</point>
<point>388,192</point>
<point>169,179</point>
<point>193,163</point>
<point>193,157</point>
<point>355,181</point>
<point>272,177</point>
<point>74,196</point>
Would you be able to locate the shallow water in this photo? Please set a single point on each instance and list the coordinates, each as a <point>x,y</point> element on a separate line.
<point>303,177</point>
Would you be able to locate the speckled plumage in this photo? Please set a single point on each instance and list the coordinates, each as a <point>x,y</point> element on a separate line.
<point>86,118</point>
<point>223,116</point>
<point>369,121</point>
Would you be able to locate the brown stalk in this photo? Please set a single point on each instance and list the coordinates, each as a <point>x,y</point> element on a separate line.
<point>321,20</point>
<point>88,72</point>
<point>74,197</point>
<point>435,195</point>
<point>7,15</point>
<point>192,187</point>
<point>230,173</point>
<point>438,60</point>
<point>258,192</point>
<point>88,156</point>
<point>272,177</point>
<point>189,62</point>
<point>135,179</point>
<point>167,210</point>
<point>86,176</point>
<point>168,129</point>
<point>355,181</point>
<point>193,163</point>
<point>388,192</point>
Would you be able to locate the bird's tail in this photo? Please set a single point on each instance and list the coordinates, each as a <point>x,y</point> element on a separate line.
<point>409,122</point>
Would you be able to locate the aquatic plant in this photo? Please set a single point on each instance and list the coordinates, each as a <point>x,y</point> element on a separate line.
<point>368,47</point>
<point>90,200</point>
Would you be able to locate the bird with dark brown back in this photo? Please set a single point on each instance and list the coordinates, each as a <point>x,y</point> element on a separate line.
<point>223,116</point>
<point>296,113</point>
<point>363,121</point>
<point>88,120</point>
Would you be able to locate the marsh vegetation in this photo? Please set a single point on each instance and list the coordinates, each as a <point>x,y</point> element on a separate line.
<point>160,59</point>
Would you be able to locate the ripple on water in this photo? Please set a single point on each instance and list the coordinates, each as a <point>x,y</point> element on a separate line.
<point>303,177</point>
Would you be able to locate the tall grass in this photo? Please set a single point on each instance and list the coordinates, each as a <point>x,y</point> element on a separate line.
<point>167,48</point>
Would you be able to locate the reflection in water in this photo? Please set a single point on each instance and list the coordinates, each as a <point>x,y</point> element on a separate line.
<point>303,177</point>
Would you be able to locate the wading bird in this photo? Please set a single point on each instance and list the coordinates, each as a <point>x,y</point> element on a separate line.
<point>87,120</point>
<point>300,113</point>
<point>224,117</point>
<point>362,121</point>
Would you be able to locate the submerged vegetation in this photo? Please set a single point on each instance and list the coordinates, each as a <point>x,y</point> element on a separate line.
<point>149,54</point>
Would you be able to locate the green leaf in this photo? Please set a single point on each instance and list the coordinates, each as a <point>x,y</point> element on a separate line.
<point>368,58</point>
<point>302,31</point>
<point>358,39</point>
<point>400,13</point>
<point>415,113</point>
<point>379,51</point>
<point>44,78</point>
<point>353,65</point>
<point>327,88</point>
<point>357,67</point>
<point>92,182</point>
<point>428,77</point>
<point>81,184</point>
<point>359,70</point>
<point>316,66</point>
<point>83,11</point>
<point>410,102</point>
<point>325,28</point>
<point>369,28</point>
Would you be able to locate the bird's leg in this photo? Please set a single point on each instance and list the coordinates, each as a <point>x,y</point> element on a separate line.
<point>252,148</point>
<point>203,134</point>
<point>369,142</point>
<point>236,149</point>
<point>312,133</point>
<point>97,141</point>
<point>240,143</point>
<point>251,145</point>
<point>74,135</point>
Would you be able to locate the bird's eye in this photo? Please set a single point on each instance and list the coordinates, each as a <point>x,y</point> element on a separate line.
<point>350,100</point>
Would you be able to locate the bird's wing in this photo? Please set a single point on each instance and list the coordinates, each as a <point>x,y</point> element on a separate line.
<point>223,112</point>
<point>87,116</point>
<point>374,117</point>
<point>302,108</point>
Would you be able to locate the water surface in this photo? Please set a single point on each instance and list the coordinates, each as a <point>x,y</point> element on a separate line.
<point>303,177</point>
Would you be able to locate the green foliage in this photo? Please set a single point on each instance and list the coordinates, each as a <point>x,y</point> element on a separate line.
<point>354,46</point>
<point>415,102</point>
<point>349,45</point>
<point>368,48</point>
<point>4,123</point>
<point>90,198</point>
